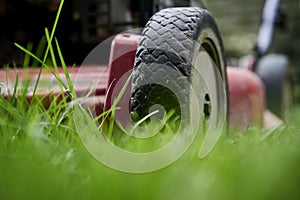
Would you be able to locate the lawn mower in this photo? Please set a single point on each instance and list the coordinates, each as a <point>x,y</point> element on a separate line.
<point>177,64</point>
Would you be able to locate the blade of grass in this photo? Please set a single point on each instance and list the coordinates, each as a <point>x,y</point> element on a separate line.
<point>15,88</point>
<point>40,72</point>
<point>49,43</point>
<point>31,54</point>
<point>114,106</point>
<point>61,106</point>
<point>145,118</point>
<point>56,73</point>
<point>53,29</point>
<point>6,83</point>
<point>26,61</point>
<point>103,116</point>
<point>116,101</point>
<point>25,87</point>
<point>47,50</point>
<point>39,51</point>
<point>69,81</point>
<point>51,50</point>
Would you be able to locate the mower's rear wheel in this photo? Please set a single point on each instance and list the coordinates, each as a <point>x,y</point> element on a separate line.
<point>274,71</point>
<point>181,49</point>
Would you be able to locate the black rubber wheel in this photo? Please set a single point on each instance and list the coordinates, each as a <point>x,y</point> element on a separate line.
<point>169,58</point>
<point>274,71</point>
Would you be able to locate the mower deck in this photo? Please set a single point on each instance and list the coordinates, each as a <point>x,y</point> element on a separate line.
<point>49,87</point>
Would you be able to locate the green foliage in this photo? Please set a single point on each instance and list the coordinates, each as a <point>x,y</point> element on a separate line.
<point>42,159</point>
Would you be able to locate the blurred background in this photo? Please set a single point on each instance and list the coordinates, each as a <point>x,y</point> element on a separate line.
<point>85,23</point>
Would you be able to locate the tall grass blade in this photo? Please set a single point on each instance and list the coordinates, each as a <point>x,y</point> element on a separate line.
<point>26,61</point>
<point>15,89</point>
<point>71,93</point>
<point>39,51</point>
<point>114,106</point>
<point>54,63</point>
<point>53,29</point>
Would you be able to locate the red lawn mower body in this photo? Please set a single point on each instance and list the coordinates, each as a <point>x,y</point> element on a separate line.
<point>246,90</point>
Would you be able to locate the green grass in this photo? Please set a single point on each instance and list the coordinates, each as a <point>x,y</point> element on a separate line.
<point>42,160</point>
<point>42,157</point>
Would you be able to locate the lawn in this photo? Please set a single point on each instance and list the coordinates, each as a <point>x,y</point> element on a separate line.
<point>41,158</point>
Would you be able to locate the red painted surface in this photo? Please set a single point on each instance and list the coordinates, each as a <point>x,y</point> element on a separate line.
<point>121,63</point>
<point>246,98</point>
